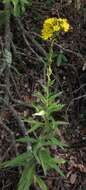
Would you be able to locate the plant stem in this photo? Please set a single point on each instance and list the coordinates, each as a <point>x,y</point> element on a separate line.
<point>48,82</point>
<point>49,70</point>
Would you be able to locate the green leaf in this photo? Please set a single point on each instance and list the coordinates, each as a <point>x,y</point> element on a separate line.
<point>55,124</point>
<point>41,97</point>
<point>37,107</point>
<point>47,161</point>
<point>40,183</point>
<point>57,142</point>
<point>44,158</point>
<point>53,96</point>
<point>6,1</point>
<point>61,59</point>
<point>60,172</point>
<point>19,6</point>
<point>54,107</point>
<point>38,145</point>
<point>61,123</point>
<point>34,127</point>
<point>64,59</point>
<point>16,8</point>
<point>35,124</point>
<point>27,177</point>
<point>20,160</point>
<point>33,121</point>
<point>26,139</point>
<point>49,3</point>
<point>60,161</point>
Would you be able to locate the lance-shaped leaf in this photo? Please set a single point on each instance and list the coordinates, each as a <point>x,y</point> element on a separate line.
<point>27,177</point>
<point>20,160</point>
<point>40,183</point>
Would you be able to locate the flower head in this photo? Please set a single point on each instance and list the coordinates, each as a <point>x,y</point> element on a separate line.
<point>53,25</point>
<point>65,25</point>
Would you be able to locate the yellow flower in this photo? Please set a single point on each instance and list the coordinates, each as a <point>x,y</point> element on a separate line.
<point>65,25</point>
<point>47,31</point>
<point>46,34</point>
<point>56,28</point>
<point>51,21</point>
<point>52,25</point>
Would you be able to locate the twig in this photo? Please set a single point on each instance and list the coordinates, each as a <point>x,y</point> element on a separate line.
<point>75,99</point>
<point>13,144</point>
<point>16,89</point>
<point>28,44</point>
<point>70,51</point>
<point>31,38</point>
<point>20,124</point>
<point>63,48</point>
<point>39,47</point>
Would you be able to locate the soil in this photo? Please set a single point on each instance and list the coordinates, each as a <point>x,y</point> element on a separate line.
<point>26,75</point>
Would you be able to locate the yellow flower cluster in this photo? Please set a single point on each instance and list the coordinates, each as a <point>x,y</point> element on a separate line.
<point>52,25</point>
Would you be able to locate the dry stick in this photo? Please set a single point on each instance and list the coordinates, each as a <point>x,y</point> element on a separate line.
<point>15,85</point>
<point>27,42</point>
<point>31,38</point>
<point>17,102</point>
<point>15,53</point>
<point>20,124</point>
<point>26,35</point>
<point>39,46</point>
<point>79,55</point>
<point>60,46</point>
<point>41,50</point>
<point>77,4</point>
<point>72,101</point>
<point>19,121</point>
<point>13,144</point>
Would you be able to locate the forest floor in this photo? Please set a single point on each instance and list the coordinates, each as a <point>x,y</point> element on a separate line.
<point>27,72</point>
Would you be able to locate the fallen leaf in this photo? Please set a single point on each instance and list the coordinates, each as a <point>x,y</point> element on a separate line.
<point>82,168</point>
<point>73,178</point>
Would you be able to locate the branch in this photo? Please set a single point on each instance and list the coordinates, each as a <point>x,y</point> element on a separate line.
<point>20,124</point>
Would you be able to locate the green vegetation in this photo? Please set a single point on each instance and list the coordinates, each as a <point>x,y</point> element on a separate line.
<point>42,135</point>
<point>38,113</point>
<point>18,6</point>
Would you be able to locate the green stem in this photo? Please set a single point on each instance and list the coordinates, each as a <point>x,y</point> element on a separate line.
<point>49,70</point>
<point>48,82</point>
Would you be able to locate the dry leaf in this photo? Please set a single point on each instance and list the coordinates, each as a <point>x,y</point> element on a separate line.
<point>73,178</point>
<point>82,168</point>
